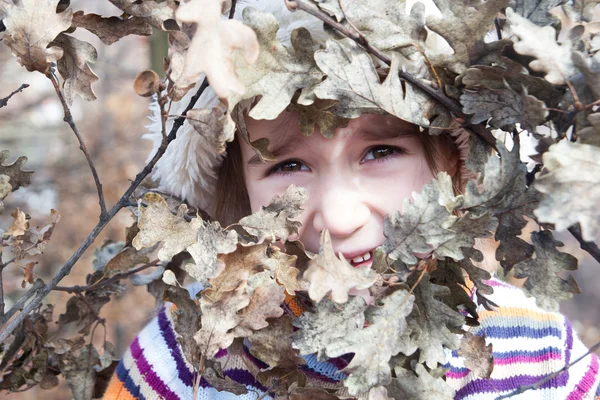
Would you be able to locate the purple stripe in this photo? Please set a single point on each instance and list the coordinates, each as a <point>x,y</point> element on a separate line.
<point>221,353</point>
<point>527,358</point>
<point>496,283</point>
<point>507,384</point>
<point>583,387</point>
<point>311,373</point>
<point>149,375</point>
<point>166,328</point>
<point>459,373</point>
<point>339,363</point>
<point>569,344</point>
<point>244,377</point>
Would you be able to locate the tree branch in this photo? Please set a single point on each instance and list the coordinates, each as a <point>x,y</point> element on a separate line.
<point>37,285</point>
<point>553,375</point>
<point>436,94</point>
<point>590,247</point>
<point>4,101</point>
<point>68,118</point>
<point>66,268</point>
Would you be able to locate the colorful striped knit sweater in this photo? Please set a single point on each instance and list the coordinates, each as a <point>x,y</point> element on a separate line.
<point>528,344</point>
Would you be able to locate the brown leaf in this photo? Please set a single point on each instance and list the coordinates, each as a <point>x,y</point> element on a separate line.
<point>109,30</point>
<point>186,321</point>
<point>307,393</point>
<point>273,345</point>
<point>18,177</point>
<point>215,125</point>
<point>265,303</point>
<point>219,38</point>
<point>216,379</point>
<point>128,258</point>
<point>318,113</point>
<point>478,357</point>
<point>238,266</point>
<point>282,265</point>
<point>74,68</point>
<point>19,225</point>
<point>153,12</point>
<point>328,273</point>
<point>28,274</point>
<point>80,372</point>
<point>31,26</point>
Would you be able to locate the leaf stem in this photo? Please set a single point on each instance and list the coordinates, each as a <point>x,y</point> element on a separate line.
<point>66,268</point>
<point>590,247</point>
<point>4,101</point>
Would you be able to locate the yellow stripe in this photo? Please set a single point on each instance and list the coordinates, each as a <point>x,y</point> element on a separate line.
<point>520,312</point>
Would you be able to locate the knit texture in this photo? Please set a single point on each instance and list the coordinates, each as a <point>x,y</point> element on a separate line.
<point>528,344</point>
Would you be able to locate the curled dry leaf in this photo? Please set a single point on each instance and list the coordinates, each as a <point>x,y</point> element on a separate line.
<point>31,26</point>
<point>214,124</point>
<point>20,224</point>
<point>282,266</point>
<point>28,274</point>
<point>278,73</point>
<point>318,114</point>
<point>571,188</point>
<point>274,221</point>
<point>124,261</point>
<point>111,29</point>
<point>328,273</point>
<point>219,38</point>
<point>17,176</point>
<point>273,345</point>
<point>478,357</point>
<point>146,83</point>
<point>156,13</point>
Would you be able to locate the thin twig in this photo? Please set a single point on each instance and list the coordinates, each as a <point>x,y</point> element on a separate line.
<point>66,268</point>
<point>101,284</point>
<point>4,101</point>
<point>436,94</point>
<point>590,247</point>
<point>68,118</point>
<point>37,285</point>
<point>553,375</point>
<point>232,9</point>
<point>1,295</point>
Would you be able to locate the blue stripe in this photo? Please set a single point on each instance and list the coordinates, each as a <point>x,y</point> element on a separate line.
<point>528,353</point>
<point>123,375</point>
<point>324,367</point>
<point>514,332</point>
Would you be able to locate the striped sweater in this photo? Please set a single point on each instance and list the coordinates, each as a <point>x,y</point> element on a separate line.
<point>528,344</point>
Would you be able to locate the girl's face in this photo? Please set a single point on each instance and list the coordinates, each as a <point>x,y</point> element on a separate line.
<point>353,180</point>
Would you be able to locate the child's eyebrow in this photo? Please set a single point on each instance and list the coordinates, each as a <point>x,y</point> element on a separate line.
<point>291,140</point>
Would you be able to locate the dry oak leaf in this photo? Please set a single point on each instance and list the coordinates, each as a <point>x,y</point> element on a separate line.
<point>31,25</point>
<point>318,113</point>
<point>540,42</point>
<point>374,345</point>
<point>273,345</point>
<point>125,261</point>
<point>274,221</point>
<point>353,80</point>
<point>219,38</point>
<point>110,29</point>
<point>158,224</point>
<point>419,385</point>
<point>478,357</point>
<point>278,73</point>
<point>151,11</point>
<point>28,274</point>
<point>571,188</point>
<point>282,266</point>
<point>265,303</point>
<point>590,134</point>
<point>20,224</point>
<point>214,124</point>
<point>17,176</point>
<point>5,187</point>
<point>74,68</point>
<point>239,266</point>
<point>542,272</point>
<point>328,273</point>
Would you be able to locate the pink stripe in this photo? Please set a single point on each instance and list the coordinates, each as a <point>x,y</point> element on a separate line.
<point>457,375</point>
<point>583,387</point>
<point>497,283</point>
<point>527,359</point>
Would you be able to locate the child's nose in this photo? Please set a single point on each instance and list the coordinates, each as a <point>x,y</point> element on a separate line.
<point>341,210</point>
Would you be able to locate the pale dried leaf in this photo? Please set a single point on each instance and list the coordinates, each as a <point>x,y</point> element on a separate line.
<point>571,188</point>
<point>156,13</point>
<point>274,221</point>
<point>31,26</point>
<point>278,72</point>
<point>169,278</point>
<point>20,224</point>
<point>419,385</point>
<point>238,266</point>
<point>591,134</point>
<point>215,125</point>
<point>111,29</point>
<point>282,266</point>
<point>18,177</point>
<point>5,187</point>
<point>273,345</point>
<point>540,42</point>
<point>126,260</point>
<point>328,273</point>
<point>478,357</point>
<point>465,229</point>
<point>80,372</point>
<point>542,272</point>
<point>219,38</point>
<point>318,113</point>
<point>537,11</point>
<point>353,81</point>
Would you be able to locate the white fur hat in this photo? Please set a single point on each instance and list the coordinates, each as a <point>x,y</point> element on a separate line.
<point>189,167</point>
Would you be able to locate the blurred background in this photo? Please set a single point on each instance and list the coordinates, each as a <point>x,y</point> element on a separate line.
<point>32,126</point>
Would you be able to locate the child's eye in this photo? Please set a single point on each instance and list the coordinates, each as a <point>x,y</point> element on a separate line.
<point>379,153</point>
<point>288,167</point>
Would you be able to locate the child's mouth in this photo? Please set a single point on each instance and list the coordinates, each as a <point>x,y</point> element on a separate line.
<point>366,260</point>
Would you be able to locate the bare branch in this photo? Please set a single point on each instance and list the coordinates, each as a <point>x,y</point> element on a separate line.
<point>68,118</point>
<point>590,247</point>
<point>4,101</point>
<point>66,268</point>
<point>553,375</point>
<point>1,294</point>
<point>37,285</point>
<point>436,94</point>
<point>101,284</point>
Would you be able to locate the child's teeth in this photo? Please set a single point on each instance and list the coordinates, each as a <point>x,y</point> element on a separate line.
<point>367,256</point>
<point>364,257</point>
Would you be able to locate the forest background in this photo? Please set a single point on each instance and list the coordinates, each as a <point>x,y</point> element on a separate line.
<point>33,126</point>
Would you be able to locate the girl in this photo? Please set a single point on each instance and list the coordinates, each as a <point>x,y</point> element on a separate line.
<point>352,180</point>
